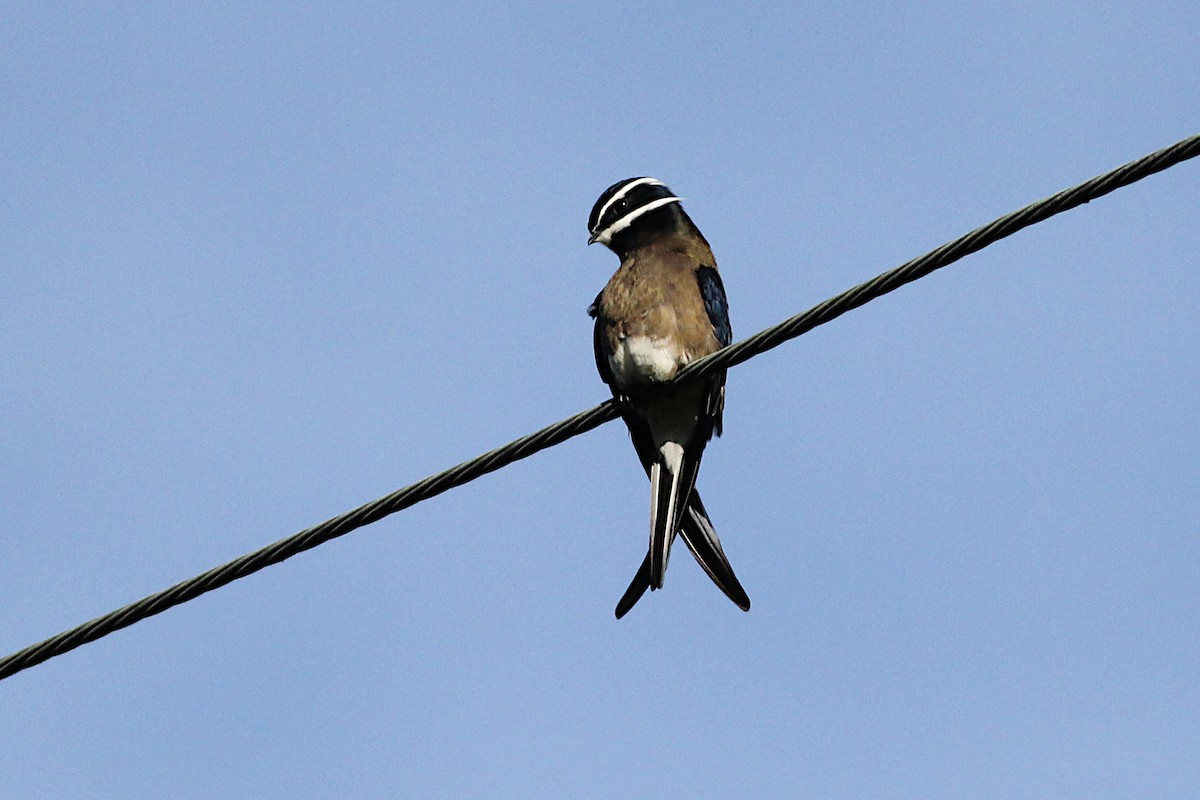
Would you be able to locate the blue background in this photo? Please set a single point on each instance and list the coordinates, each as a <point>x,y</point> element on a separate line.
<point>260,265</point>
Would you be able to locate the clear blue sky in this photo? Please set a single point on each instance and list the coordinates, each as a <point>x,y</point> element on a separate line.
<point>261,266</point>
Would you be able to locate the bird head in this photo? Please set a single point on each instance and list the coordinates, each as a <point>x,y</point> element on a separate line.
<point>631,206</point>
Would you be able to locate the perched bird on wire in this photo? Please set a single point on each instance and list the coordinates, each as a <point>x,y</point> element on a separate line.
<point>664,307</point>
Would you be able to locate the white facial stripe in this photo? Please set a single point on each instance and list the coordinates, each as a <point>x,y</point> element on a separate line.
<point>605,236</point>
<point>616,198</point>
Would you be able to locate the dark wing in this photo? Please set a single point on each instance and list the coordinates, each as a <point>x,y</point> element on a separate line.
<point>712,292</point>
<point>598,348</point>
<point>715,303</point>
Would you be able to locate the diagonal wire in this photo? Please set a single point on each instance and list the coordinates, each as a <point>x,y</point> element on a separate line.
<point>943,256</point>
<point>587,420</point>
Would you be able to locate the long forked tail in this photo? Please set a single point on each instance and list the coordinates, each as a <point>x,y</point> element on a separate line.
<point>701,538</point>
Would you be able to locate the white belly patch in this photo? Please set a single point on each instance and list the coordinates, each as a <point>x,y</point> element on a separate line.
<point>639,359</point>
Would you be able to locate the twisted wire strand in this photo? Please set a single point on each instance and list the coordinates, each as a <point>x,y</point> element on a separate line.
<point>945,255</point>
<point>592,418</point>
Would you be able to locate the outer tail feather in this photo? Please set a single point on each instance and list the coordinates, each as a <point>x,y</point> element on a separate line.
<point>660,540</point>
<point>701,538</point>
<point>637,588</point>
<point>666,486</point>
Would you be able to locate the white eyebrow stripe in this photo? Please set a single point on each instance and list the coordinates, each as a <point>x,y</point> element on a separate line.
<point>624,191</point>
<point>605,236</point>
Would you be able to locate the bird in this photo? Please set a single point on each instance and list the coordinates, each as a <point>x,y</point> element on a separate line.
<point>663,308</point>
